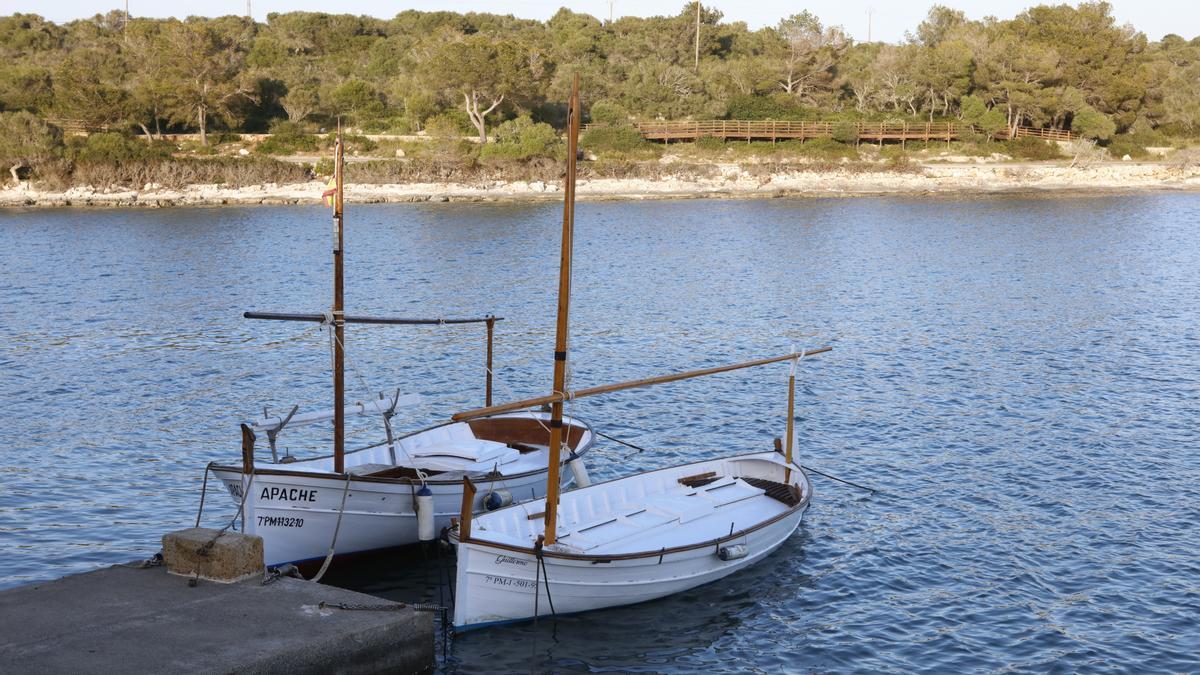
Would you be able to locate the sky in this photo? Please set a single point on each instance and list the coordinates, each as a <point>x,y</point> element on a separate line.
<point>888,21</point>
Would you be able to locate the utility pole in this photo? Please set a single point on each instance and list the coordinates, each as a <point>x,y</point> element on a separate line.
<point>870,13</point>
<point>697,36</point>
<point>610,11</point>
<point>125,28</point>
<point>248,15</point>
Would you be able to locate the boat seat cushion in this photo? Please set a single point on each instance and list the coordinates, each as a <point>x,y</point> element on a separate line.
<point>473,450</point>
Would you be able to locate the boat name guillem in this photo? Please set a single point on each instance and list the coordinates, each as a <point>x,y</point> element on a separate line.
<point>288,494</point>
<point>509,560</point>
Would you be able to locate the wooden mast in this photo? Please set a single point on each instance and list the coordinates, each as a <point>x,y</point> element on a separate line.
<point>564,306</point>
<point>339,314</point>
<point>787,474</point>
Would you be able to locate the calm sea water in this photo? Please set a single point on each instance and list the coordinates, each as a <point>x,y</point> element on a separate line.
<point>1017,376</point>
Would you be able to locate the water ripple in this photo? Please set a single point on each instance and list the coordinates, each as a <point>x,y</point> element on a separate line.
<point>1017,375</point>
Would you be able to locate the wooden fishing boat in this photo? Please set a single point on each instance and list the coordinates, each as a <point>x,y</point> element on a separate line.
<point>631,539</point>
<point>397,491</point>
<point>628,540</point>
<point>305,508</point>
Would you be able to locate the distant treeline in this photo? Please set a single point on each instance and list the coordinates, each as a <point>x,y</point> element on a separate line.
<point>1050,66</point>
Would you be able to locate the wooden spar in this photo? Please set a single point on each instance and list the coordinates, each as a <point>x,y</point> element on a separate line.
<point>630,384</point>
<point>394,321</point>
<point>378,320</point>
<point>247,449</point>
<point>491,328</point>
<point>339,314</point>
<point>564,306</point>
<point>468,509</point>
<point>787,473</point>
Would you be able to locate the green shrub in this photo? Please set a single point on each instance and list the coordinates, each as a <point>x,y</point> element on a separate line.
<point>1091,123</point>
<point>710,143</point>
<point>621,141</point>
<point>446,145</point>
<point>26,141</point>
<point>845,132</point>
<point>111,147</point>
<point>179,172</point>
<point>287,138</point>
<point>1126,144</point>
<point>776,107</point>
<point>824,148</point>
<point>521,139</point>
<point>607,113</point>
<point>1032,148</point>
<point>452,122</point>
<point>354,142</point>
<point>358,99</point>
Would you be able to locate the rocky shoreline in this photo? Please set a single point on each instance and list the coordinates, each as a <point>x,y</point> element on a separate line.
<point>731,181</point>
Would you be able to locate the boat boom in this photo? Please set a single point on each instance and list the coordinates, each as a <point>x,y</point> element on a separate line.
<point>631,384</point>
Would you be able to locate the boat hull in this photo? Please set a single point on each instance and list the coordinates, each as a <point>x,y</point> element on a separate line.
<point>301,513</point>
<point>499,584</point>
<point>296,516</point>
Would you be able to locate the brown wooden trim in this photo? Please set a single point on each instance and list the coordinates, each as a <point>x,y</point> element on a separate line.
<point>468,510</point>
<point>574,436</point>
<point>643,554</point>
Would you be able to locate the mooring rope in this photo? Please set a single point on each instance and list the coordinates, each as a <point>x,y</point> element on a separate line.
<point>336,529</point>
<point>843,480</point>
<point>617,440</point>
<point>207,546</point>
<point>390,607</point>
<point>203,491</point>
<point>541,576</point>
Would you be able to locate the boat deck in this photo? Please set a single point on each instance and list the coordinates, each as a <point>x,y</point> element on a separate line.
<point>629,516</point>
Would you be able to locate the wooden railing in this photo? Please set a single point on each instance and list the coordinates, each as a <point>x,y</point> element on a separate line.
<point>803,130</point>
<point>1048,134</point>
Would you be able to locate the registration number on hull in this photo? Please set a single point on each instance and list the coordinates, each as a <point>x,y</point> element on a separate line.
<point>280,521</point>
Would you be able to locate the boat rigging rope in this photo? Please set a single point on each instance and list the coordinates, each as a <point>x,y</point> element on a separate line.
<point>362,380</point>
<point>617,440</point>
<point>207,546</point>
<point>336,528</point>
<point>842,480</point>
<point>541,576</point>
<point>203,491</point>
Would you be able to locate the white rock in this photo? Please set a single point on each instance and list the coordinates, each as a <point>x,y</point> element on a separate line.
<point>399,152</point>
<point>1126,158</point>
<point>243,152</point>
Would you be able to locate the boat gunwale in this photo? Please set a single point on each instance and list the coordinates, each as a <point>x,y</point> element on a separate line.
<point>405,480</point>
<point>585,557</point>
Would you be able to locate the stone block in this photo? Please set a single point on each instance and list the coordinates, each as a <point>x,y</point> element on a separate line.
<point>227,558</point>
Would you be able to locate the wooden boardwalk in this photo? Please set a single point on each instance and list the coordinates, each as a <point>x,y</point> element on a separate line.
<point>770,130</point>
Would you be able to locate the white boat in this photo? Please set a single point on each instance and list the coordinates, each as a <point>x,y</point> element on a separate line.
<point>631,539</point>
<point>628,540</point>
<point>297,507</point>
<point>400,490</point>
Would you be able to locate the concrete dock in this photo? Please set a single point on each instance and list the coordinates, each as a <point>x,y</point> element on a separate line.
<point>123,619</point>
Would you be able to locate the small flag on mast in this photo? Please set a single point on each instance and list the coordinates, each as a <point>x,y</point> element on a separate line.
<point>330,192</point>
<point>329,196</point>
